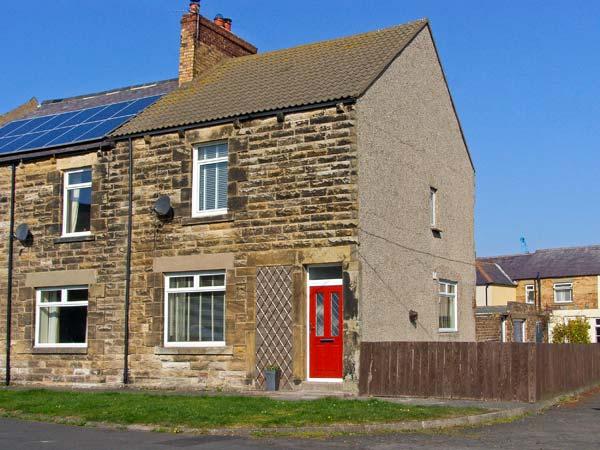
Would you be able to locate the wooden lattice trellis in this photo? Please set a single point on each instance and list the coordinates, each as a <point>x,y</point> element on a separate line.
<point>274,290</point>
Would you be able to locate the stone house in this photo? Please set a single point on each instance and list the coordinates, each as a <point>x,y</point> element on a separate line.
<point>274,209</point>
<point>563,282</point>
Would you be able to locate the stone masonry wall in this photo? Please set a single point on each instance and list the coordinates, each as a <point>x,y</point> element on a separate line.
<point>585,292</point>
<point>292,201</point>
<point>39,204</point>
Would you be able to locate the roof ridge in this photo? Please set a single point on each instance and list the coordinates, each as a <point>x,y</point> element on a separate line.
<point>540,250</point>
<point>327,41</point>
<point>510,255</point>
<point>108,91</point>
<point>595,246</point>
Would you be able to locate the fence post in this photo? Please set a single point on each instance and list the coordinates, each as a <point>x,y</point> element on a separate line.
<point>532,372</point>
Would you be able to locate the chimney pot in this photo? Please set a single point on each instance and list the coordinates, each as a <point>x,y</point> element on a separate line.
<point>219,20</point>
<point>195,6</point>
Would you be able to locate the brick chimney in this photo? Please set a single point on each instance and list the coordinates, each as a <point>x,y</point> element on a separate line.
<point>205,43</point>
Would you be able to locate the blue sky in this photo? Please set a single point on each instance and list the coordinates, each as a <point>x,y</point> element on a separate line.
<point>525,77</point>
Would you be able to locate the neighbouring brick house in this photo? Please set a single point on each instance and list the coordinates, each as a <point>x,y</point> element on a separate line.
<point>498,316</point>
<point>275,209</point>
<point>561,281</point>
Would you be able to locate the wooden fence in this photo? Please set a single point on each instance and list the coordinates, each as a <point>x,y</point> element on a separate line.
<point>477,370</point>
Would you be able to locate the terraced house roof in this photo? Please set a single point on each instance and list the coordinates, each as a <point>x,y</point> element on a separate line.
<point>550,263</point>
<point>333,70</point>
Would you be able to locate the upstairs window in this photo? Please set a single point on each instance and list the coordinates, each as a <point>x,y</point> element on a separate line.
<point>433,206</point>
<point>210,180</point>
<point>77,202</point>
<point>447,306</point>
<point>563,292</point>
<point>530,294</point>
<point>61,317</point>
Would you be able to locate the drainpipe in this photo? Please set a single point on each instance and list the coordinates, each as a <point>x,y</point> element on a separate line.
<point>128,267</point>
<point>11,239</point>
<point>539,291</point>
<point>486,294</point>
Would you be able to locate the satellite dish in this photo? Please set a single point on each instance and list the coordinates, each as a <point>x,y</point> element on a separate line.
<point>162,207</point>
<point>23,233</point>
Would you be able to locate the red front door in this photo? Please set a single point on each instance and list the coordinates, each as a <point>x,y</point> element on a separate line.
<point>326,332</point>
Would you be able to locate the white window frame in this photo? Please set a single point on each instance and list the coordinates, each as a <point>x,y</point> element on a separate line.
<point>433,206</point>
<point>196,211</point>
<point>62,304</point>
<point>195,289</point>
<point>503,329</point>
<point>529,288</point>
<point>69,187</point>
<point>560,286</point>
<point>455,295</point>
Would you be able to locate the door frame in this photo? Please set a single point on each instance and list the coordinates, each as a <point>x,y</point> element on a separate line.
<point>318,283</point>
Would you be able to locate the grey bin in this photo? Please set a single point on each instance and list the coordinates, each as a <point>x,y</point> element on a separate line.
<point>271,380</point>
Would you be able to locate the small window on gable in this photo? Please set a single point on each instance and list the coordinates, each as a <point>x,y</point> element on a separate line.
<point>77,202</point>
<point>530,294</point>
<point>563,292</point>
<point>433,206</point>
<point>210,179</point>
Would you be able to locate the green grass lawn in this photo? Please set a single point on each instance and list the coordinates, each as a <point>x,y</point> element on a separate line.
<point>172,411</point>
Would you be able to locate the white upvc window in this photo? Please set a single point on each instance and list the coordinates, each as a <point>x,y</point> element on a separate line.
<point>448,307</point>
<point>77,202</point>
<point>433,206</point>
<point>210,178</point>
<point>61,317</point>
<point>563,293</point>
<point>195,309</point>
<point>530,294</point>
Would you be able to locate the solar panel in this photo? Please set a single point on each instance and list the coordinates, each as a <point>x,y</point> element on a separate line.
<point>70,127</point>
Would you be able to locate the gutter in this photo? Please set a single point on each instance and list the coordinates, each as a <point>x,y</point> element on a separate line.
<point>233,119</point>
<point>40,153</point>
<point>11,239</point>
<point>128,267</point>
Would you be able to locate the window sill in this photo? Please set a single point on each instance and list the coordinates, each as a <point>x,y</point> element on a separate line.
<point>71,239</point>
<point>437,232</point>
<point>222,351</point>
<point>447,331</point>
<point>190,221</point>
<point>59,351</point>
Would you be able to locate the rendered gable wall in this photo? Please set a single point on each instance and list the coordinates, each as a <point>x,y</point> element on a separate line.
<point>409,140</point>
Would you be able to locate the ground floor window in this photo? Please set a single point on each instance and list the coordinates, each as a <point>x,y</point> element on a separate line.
<point>598,331</point>
<point>518,330</point>
<point>61,317</point>
<point>447,306</point>
<point>195,309</point>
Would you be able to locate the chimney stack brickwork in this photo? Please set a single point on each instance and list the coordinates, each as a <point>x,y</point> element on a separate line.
<point>204,44</point>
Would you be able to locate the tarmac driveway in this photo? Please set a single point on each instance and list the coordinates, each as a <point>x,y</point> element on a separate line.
<point>571,426</point>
